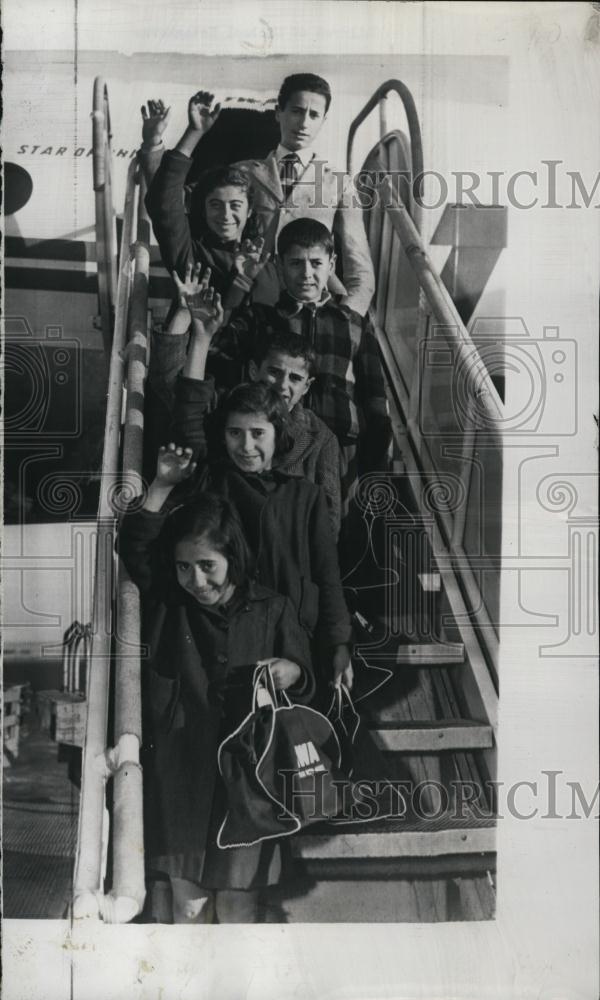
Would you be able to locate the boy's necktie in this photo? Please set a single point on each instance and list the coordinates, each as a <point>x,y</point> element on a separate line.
<point>288,172</point>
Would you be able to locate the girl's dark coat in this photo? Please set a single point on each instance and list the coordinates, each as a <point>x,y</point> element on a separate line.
<point>285,518</point>
<point>196,688</point>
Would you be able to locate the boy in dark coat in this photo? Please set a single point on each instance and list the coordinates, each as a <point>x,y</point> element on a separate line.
<point>348,393</point>
<point>288,363</point>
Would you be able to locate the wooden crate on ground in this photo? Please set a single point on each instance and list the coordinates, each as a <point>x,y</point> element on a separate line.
<point>63,715</point>
<point>68,718</point>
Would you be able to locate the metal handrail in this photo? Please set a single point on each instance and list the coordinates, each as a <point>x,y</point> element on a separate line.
<point>128,838</point>
<point>89,858</point>
<point>486,397</point>
<point>101,132</point>
<point>90,840</point>
<point>106,235</point>
<point>137,350</point>
<point>99,762</point>
<point>414,129</point>
<point>483,405</point>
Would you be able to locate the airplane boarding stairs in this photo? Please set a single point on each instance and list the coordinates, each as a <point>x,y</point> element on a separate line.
<point>435,717</point>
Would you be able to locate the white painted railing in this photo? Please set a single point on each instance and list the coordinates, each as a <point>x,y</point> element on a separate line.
<point>115,625</point>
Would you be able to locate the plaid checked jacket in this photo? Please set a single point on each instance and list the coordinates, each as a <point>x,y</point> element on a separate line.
<point>348,393</point>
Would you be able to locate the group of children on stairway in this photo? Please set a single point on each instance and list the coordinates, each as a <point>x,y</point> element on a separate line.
<point>270,391</point>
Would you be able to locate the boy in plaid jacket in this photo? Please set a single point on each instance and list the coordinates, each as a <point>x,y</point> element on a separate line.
<point>348,392</point>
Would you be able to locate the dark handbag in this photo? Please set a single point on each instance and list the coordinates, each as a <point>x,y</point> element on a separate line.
<point>369,794</point>
<point>345,720</point>
<point>280,768</point>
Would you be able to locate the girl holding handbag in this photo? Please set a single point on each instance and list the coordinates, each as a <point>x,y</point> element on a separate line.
<point>205,624</point>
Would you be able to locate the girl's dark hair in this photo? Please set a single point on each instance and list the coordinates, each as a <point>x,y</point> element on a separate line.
<point>259,398</point>
<point>304,81</point>
<point>216,519</point>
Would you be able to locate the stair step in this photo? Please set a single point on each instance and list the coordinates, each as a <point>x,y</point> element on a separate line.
<point>396,839</point>
<point>428,736</point>
<point>417,654</point>
<point>394,894</point>
<point>430,654</point>
<point>443,866</point>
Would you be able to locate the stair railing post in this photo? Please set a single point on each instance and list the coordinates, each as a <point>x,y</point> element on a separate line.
<point>89,900</point>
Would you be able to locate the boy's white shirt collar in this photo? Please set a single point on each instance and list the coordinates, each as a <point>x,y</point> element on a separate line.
<point>325,297</point>
<point>305,155</point>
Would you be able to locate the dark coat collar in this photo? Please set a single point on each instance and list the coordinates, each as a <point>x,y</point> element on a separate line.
<point>278,474</point>
<point>250,592</point>
<point>257,592</point>
<point>288,306</point>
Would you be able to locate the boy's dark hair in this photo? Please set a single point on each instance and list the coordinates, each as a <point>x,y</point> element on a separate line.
<point>305,233</point>
<point>258,398</point>
<point>223,177</point>
<point>285,342</point>
<point>217,178</point>
<point>215,518</point>
<point>303,81</point>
